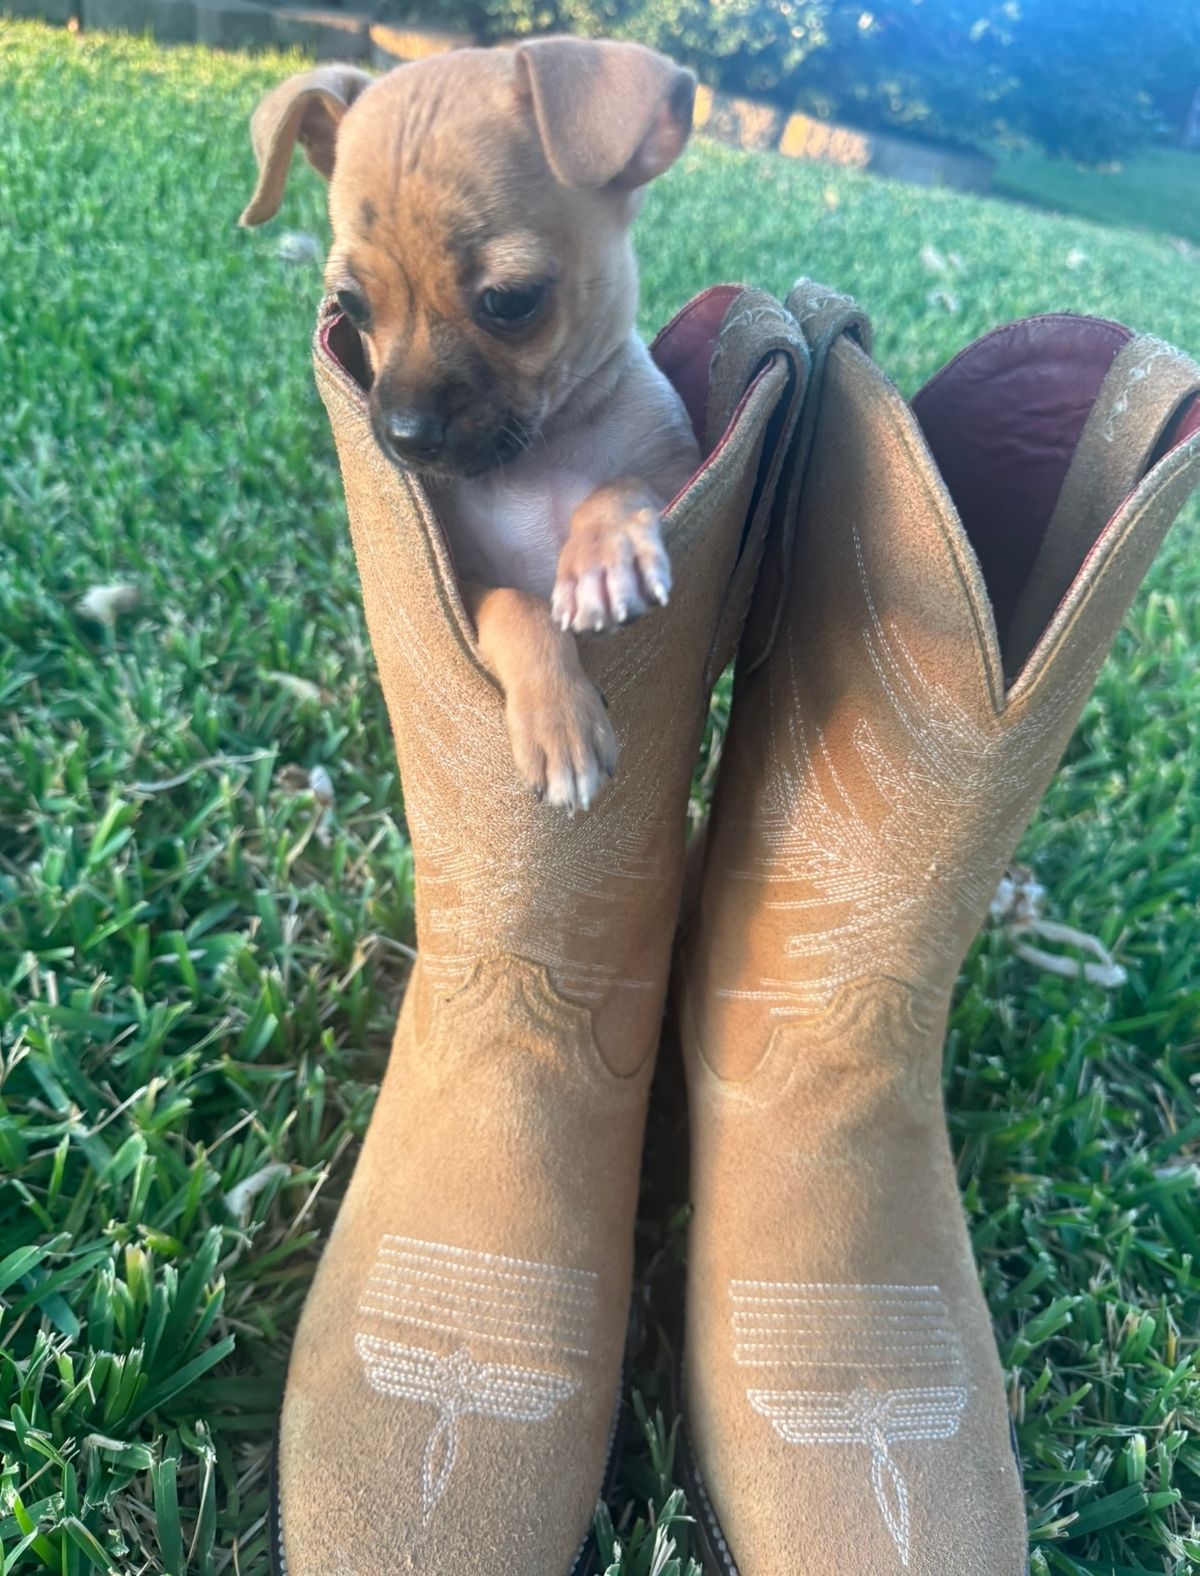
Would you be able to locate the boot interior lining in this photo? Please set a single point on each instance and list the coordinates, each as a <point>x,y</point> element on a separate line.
<point>1003,421</point>
<point>1186,424</point>
<point>684,350</point>
<point>344,343</point>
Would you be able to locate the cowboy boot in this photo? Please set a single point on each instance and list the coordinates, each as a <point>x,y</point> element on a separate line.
<point>947,590</point>
<point>455,1379</point>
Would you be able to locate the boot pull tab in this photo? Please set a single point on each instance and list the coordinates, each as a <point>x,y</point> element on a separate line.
<point>1148,383</point>
<point>754,328</point>
<point>822,316</point>
<point>755,331</point>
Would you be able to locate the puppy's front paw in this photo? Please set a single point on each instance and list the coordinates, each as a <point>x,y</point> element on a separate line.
<point>613,566</point>
<point>562,740</point>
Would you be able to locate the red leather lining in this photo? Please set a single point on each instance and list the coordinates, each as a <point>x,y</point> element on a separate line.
<point>1185,425</point>
<point>684,349</point>
<point>344,344</point>
<point>1003,421</point>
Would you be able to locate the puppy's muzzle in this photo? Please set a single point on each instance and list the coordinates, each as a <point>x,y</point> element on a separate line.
<point>415,437</point>
<point>448,437</point>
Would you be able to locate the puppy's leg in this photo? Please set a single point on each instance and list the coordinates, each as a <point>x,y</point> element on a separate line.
<point>612,566</point>
<point>562,740</point>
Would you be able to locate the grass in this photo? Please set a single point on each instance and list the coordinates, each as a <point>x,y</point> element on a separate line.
<point>200,959</point>
<point>1156,189</point>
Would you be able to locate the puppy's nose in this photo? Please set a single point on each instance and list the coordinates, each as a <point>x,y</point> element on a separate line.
<point>415,435</point>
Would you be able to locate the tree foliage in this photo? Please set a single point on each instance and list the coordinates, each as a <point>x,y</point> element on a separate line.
<point>1086,78</point>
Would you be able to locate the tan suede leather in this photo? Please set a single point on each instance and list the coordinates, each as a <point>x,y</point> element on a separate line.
<point>845,1406</point>
<point>455,1377</point>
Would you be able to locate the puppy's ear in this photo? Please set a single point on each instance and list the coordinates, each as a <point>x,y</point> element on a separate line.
<point>609,114</point>
<point>307,108</point>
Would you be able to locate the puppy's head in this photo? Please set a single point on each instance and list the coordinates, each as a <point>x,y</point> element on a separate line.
<point>480,204</point>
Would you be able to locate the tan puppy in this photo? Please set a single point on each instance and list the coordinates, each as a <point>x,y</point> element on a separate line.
<point>481,204</point>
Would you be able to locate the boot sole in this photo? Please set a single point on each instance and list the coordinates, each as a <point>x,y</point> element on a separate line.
<point>586,1561</point>
<point>714,1552</point>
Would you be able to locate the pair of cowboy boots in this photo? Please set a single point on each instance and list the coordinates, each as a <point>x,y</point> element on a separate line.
<point>920,597</point>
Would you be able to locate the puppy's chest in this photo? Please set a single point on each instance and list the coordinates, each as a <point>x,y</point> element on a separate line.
<point>508,529</point>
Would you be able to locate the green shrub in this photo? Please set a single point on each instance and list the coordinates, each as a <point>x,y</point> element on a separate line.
<point>1077,77</point>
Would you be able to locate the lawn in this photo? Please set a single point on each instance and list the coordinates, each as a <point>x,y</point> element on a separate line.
<point>1155,189</point>
<point>202,943</point>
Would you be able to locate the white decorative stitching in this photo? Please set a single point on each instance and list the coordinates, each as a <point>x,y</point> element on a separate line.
<point>493,1263</point>
<point>750,317</point>
<point>882,1331</point>
<point>871,901</point>
<point>1152,352</point>
<point>852,1294</point>
<point>481,1299</point>
<point>877,1421</point>
<point>474,892</point>
<point>532,1343</point>
<point>458,1386</point>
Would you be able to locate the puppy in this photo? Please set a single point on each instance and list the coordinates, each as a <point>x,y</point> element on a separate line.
<point>481,204</point>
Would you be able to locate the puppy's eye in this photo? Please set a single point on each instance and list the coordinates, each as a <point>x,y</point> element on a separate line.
<point>353,304</point>
<point>511,306</point>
